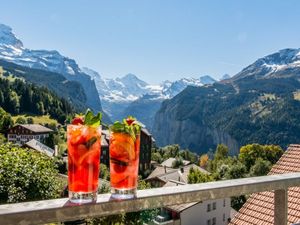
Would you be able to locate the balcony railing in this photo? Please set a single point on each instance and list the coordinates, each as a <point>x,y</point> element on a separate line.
<point>59,210</point>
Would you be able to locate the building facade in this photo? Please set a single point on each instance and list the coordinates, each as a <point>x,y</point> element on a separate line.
<point>211,212</point>
<point>21,134</point>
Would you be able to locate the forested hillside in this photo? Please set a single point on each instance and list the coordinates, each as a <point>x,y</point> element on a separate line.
<point>258,105</point>
<point>18,96</point>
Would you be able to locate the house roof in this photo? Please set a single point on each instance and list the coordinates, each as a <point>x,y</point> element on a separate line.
<point>159,171</point>
<point>169,162</point>
<point>259,208</point>
<point>144,130</point>
<point>166,174</point>
<point>37,128</point>
<point>36,145</point>
<point>181,207</point>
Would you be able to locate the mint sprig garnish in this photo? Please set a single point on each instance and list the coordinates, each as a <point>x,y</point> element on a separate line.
<point>129,126</point>
<point>92,120</point>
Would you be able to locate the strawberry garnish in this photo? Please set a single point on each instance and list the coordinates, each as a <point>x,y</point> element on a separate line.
<point>129,121</point>
<point>77,121</point>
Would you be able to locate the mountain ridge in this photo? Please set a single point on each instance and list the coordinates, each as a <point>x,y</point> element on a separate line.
<point>258,104</point>
<point>12,50</point>
<point>119,94</point>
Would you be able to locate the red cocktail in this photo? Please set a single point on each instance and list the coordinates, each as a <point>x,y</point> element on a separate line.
<point>84,143</point>
<point>124,152</point>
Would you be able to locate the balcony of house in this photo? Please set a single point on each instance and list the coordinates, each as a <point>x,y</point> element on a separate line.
<point>61,210</point>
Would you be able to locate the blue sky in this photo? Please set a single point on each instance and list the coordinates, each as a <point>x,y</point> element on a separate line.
<point>157,39</point>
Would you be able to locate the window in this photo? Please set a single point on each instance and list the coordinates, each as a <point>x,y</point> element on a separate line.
<point>214,206</point>
<point>223,216</point>
<point>208,222</point>
<point>208,208</point>
<point>214,221</point>
<point>224,202</point>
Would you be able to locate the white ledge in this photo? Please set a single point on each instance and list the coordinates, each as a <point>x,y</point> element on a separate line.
<point>58,210</point>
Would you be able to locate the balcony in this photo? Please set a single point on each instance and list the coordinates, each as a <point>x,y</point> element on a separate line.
<point>61,210</point>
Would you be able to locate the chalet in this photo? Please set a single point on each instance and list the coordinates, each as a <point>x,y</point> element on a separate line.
<point>20,134</point>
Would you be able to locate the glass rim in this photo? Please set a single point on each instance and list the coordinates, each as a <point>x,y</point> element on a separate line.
<point>83,125</point>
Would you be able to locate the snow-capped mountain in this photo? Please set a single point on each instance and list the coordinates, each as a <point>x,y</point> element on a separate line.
<point>13,50</point>
<point>207,80</point>
<point>129,87</point>
<point>285,62</point>
<point>117,94</point>
<point>225,77</point>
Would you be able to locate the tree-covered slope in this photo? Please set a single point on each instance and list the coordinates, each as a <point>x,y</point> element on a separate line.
<point>245,109</point>
<point>19,96</point>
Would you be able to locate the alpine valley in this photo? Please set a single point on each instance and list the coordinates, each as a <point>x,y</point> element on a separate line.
<point>260,104</point>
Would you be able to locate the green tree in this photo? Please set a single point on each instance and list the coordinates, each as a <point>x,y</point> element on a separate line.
<point>2,139</point>
<point>30,120</point>
<point>6,121</point>
<point>260,168</point>
<point>104,172</point>
<point>26,175</point>
<point>196,176</point>
<point>221,152</point>
<point>188,155</point>
<point>249,154</point>
<point>155,156</point>
<point>177,162</point>
<point>235,171</point>
<point>169,151</point>
<point>21,120</point>
<point>14,102</point>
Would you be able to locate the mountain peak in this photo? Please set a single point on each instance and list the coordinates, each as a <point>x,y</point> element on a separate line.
<point>7,37</point>
<point>280,63</point>
<point>225,76</point>
<point>284,56</point>
<point>92,73</point>
<point>206,79</point>
<point>130,76</point>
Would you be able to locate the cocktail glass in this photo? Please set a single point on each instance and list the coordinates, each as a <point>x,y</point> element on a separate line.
<point>84,143</point>
<point>124,153</point>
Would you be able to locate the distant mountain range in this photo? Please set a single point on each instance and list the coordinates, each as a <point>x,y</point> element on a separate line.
<point>130,95</point>
<point>12,50</point>
<point>119,97</point>
<point>259,104</point>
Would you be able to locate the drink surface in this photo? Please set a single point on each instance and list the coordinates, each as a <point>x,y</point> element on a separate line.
<point>84,143</point>
<point>124,160</point>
